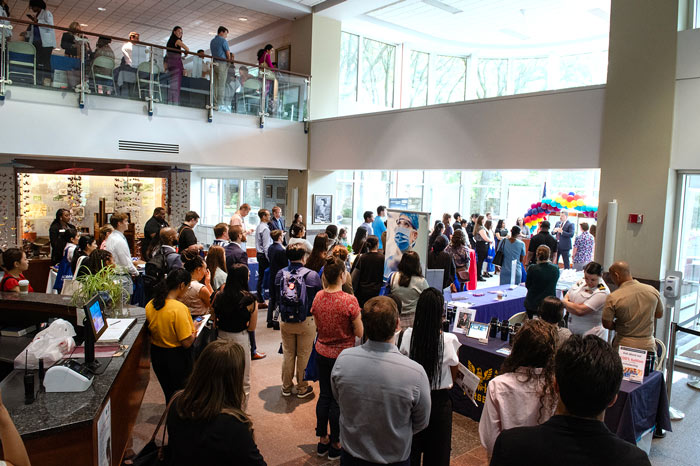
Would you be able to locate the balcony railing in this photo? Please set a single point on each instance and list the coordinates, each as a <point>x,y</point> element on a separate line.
<point>148,72</point>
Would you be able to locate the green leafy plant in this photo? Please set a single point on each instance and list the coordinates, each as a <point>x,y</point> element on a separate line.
<point>106,281</point>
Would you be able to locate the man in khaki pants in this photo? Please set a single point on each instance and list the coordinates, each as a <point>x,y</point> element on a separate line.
<point>297,287</point>
<point>220,49</point>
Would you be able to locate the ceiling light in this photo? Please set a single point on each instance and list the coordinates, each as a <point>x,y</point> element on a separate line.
<point>211,33</point>
<point>83,25</point>
<point>242,18</point>
<point>99,8</point>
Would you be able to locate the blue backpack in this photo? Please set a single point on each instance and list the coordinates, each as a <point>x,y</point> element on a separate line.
<point>293,295</point>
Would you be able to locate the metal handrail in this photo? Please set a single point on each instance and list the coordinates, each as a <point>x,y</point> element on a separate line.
<point>148,44</point>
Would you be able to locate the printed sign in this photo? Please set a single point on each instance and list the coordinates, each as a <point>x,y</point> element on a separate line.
<point>633,362</point>
<point>467,381</point>
<point>405,231</point>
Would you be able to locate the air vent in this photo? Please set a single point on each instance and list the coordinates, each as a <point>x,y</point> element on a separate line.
<point>141,146</point>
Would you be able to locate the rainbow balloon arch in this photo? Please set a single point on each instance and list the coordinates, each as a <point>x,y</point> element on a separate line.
<point>563,201</point>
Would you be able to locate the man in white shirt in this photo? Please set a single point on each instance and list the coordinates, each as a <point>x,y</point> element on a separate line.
<point>239,219</point>
<point>134,55</point>
<point>263,241</point>
<point>118,246</point>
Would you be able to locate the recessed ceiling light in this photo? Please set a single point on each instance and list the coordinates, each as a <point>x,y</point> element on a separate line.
<point>99,8</point>
<point>212,33</point>
<point>84,25</point>
<point>242,18</point>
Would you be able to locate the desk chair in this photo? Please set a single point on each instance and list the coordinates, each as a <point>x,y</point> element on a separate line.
<point>25,48</point>
<point>105,67</point>
<point>251,92</point>
<point>144,69</point>
<point>518,318</point>
<point>660,355</point>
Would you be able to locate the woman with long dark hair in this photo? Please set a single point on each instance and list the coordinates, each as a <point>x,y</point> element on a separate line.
<point>96,261</point>
<point>523,394</point>
<point>338,320</point>
<point>172,332</point>
<point>86,244</point>
<point>318,253</point>
<point>359,241</point>
<point>437,232</point>
<point>14,261</point>
<point>482,242</point>
<point>436,351</point>
<point>235,309</point>
<point>368,272</point>
<point>198,295</point>
<point>408,282</point>
<point>210,413</point>
<point>216,263</point>
<point>460,255</point>
<point>439,259</point>
<point>175,67</point>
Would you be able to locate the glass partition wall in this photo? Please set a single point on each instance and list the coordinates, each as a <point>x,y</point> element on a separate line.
<point>151,73</point>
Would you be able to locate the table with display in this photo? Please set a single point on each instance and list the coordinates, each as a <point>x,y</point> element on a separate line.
<point>58,426</point>
<point>639,407</point>
<point>488,306</point>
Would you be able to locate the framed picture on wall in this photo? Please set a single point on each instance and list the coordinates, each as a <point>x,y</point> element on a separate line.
<point>323,209</point>
<point>283,57</point>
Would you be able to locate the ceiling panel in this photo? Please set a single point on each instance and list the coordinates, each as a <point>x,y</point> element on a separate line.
<point>500,22</point>
<point>153,19</point>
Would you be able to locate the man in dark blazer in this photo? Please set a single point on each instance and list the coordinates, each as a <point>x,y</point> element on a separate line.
<point>235,254</point>
<point>564,230</point>
<point>277,254</point>
<point>277,222</point>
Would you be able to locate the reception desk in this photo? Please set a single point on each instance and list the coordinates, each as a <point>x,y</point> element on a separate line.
<point>62,428</point>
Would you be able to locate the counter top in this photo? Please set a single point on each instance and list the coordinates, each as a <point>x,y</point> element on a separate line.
<point>11,298</point>
<point>53,412</point>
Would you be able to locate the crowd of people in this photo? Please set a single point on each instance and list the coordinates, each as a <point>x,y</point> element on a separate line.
<point>122,78</point>
<point>384,380</point>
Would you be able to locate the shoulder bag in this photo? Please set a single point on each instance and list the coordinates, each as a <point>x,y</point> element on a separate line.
<point>498,257</point>
<point>152,454</point>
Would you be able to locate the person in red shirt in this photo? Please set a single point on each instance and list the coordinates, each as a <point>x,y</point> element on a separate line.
<point>14,262</point>
<point>338,321</point>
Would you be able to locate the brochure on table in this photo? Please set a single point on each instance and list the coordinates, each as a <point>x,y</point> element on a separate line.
<point>467,381</point>
<point>633,362</point>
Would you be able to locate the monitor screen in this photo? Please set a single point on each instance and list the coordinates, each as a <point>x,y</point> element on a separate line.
<point>478,330</point>
<point>94,312</point>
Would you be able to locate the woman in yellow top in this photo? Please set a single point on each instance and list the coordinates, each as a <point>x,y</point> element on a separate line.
<point>172,333</point>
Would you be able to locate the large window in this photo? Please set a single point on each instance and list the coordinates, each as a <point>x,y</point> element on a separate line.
<point>529,75</point>
<point>377,73</point>
<point>418,79</point>
<point>583,69</point>
<point>349,53</point>
<point>450,80</point>
<point>492,76</point>
<point>221,198</point>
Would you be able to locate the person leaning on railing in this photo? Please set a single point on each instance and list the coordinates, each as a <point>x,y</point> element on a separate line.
<point>44,39</point>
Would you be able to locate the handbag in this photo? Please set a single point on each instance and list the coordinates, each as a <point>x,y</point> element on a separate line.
<point>386,289</point>
<point>498,257</point>
<point>462,274</point>
<point>152,454</point>
<point>311,371</point>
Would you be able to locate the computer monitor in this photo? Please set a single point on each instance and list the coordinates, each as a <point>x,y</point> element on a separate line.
<point>478,330</point>
<point>95,325</point>
<point>94,313</point>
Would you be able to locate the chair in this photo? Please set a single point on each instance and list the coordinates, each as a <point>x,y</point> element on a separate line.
<point>660,355</point>
<point>143,78</point>
<point>102,67</point>
<point>434,277</point>
<point>251,91</point>
<point>518,318</point>
<point>27,49</point>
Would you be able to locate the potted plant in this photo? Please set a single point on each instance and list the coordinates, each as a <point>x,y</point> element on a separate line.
<point>107,284</point>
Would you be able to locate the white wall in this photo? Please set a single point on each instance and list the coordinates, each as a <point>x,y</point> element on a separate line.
<point>48,123</point>
<point>557,129</point>
<point>686,121</point>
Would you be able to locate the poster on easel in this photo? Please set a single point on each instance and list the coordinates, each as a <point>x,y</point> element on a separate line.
<point>405,231</point>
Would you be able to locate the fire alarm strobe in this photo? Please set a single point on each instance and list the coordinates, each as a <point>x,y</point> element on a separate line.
<point>636,218</point>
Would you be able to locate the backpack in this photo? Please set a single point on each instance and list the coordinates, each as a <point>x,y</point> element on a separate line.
<point>292,300</point>
<point>156,270</point>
